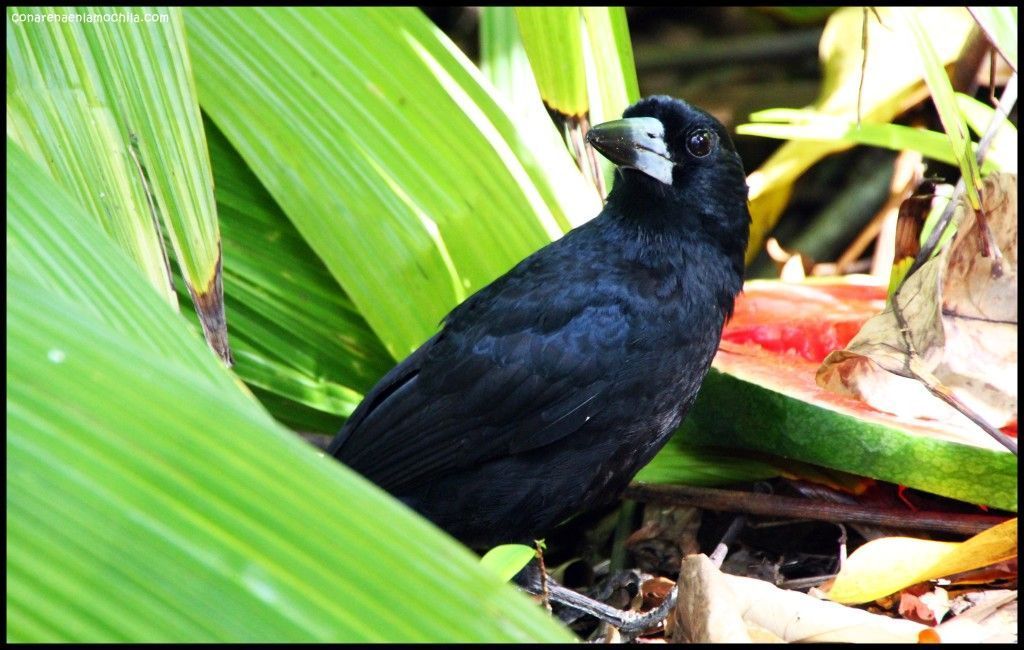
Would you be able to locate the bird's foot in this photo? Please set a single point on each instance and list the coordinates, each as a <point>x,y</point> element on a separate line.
<point>627,622</point>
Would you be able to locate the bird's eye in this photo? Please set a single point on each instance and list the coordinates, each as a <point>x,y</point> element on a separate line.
<point>700,142</point>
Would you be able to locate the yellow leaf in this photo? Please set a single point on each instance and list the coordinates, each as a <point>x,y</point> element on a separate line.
<point>885,566</point>
<point>887,91</point>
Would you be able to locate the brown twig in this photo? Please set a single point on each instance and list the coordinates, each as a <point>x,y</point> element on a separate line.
<point>863,61</point>
<point>768,505</point>
<point>545,594</point>
<point>992,75</point>
<point>722,549</point>
<point>627,622</point>
<point>574,131</point>
<point>864,55</point>
<point>948,397</point>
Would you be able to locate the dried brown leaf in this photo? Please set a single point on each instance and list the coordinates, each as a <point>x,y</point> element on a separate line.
<point>961,329</point>
<point>716,606</point>
<point>707,610</point>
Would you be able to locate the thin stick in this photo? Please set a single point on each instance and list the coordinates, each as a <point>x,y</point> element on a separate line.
<point>627,622</point>
<point>722,549</point>
<point>545,594</point>
<point>777,506</point>
<point>797,584</point>
<point>948,397</point>
<point>592,158</point>
<point>863,62</point>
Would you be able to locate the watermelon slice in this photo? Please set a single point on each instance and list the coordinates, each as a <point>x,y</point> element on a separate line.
<point>761,395</point>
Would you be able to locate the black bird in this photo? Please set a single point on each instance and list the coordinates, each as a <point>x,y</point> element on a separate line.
<point>547,390</point>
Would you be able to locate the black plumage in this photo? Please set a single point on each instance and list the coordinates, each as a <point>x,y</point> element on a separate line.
<point>547,390</point>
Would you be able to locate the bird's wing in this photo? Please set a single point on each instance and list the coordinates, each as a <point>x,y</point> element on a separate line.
<point>388,385</point>
<point>498,380</point>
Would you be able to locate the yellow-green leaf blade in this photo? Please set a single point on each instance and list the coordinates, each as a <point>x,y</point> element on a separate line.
<point>553,39</point>
<point>110,107</point>
<point>617,84</point>
<point>294,331</point>
<point>154,502</point>
<point>380,146</point>
<point>73,259</point>
<point>58,112</point>
<point>801,125</point>
<point>507,560</point>
<point>945,102</point>
<point>582,60</point>
<point>504,63</point>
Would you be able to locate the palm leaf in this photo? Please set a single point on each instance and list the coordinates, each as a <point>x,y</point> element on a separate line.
<point>109,108</point>
<point>165,505</point>
<point>294,331</point>
<point>379,143</point>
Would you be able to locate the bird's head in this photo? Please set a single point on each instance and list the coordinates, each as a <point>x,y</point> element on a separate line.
<point>677,169</point>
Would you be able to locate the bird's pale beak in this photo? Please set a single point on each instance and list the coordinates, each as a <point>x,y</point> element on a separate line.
<point>636,142</point>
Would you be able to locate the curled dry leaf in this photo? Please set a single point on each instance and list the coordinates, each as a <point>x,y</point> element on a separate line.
<point>654,591</point>
<point>960,310</point>
<point>706,611</point>
<point>717,607</point>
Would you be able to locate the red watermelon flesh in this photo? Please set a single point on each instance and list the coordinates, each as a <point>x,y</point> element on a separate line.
<point>803,319</point>
<point>762,395</point>
<point>802,323</point>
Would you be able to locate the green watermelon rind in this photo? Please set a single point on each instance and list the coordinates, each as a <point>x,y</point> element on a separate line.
<point>731,412</point>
